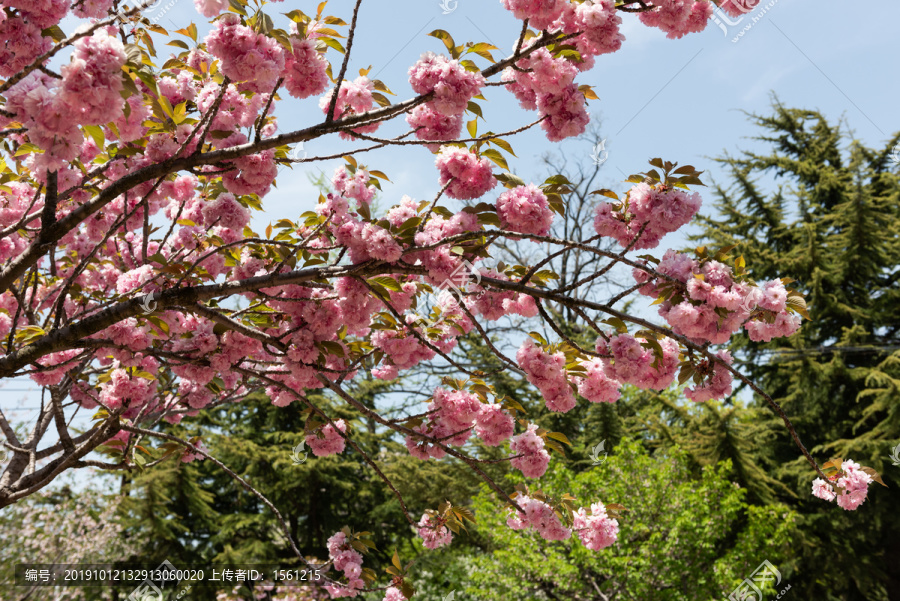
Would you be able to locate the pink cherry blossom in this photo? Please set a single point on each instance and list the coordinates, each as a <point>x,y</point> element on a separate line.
<point>566,113</point>
<point>494,425</point>
<point>595,529</point>
<point>540,13</point>
<point>678,17</point>
<point>393,594</point>
<point>345,560</point>
<point>354,98</point>
<point>525,209</point>
<point>716,386</point>
<point>634,361</point>
<point>452,84</point>
<point>654,209</point>
<point>539,516</point>
<point>823,490</point>
<point>356,186</point>
<point>249,57</point>
<point>548,373</point>
<point>93,9</point>
<point>433,125</point>
<point>596,386</point>
<point>225,211</point>
<point>305,69</point>
<point>468,175</point>
<point>210,8</point>
<point>534,459</point>
<point>433,533</point>
<point>327,441</point>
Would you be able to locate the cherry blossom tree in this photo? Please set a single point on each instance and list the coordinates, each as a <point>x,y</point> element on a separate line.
<point>134,286</point>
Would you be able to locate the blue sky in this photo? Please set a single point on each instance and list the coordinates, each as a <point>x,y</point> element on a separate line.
<point>682,100</point>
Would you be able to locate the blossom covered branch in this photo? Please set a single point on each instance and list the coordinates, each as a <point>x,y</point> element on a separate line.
<point>134,285</point>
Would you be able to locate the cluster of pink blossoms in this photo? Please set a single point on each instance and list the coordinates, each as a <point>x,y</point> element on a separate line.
<point>327,441</point>
<point>525,209</point>
<point>432,125</point>
<point>596,386</point>
<point>540,13</point>
<point>633,361</point>
<point>368,241</point>
<point>356,186</point>
<point>21,40</point>
<point>853,484</point>
<point>563,109</point>
<point>596,530</point>
<point>548,373</point>
<point>534,458</point>
<point>736,8</point>
<point>433,532</point>
<point>493,305</point>
<point>711,305</point>
<point>468,175</point>
<point>679,17</point>
<point>452,415</point>
<point>657,210</point>
<point>539,516</point>
<point>452,84</point>
<point>354,98</point>
<point>306,71</point>
<point>547,84</point>
<point>246,56</point>
<point>393,594</point>
<point>345,559</point>
<point>87,94</point>
<point>441,118</point>
<point>210,8</point>
<point>718,383</point>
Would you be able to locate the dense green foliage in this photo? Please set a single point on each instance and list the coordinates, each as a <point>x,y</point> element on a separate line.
<point>819,205</point>
<point>682,538</point>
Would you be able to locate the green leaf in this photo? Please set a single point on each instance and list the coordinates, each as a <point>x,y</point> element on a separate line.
<point>607,193</point>
<point>29,333</point>
<point>560,437</point>
<point>189,31</point>
<point>496,157</point>
<point>447,39</point>
<point>333,43</point>
<point>54,32</point>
